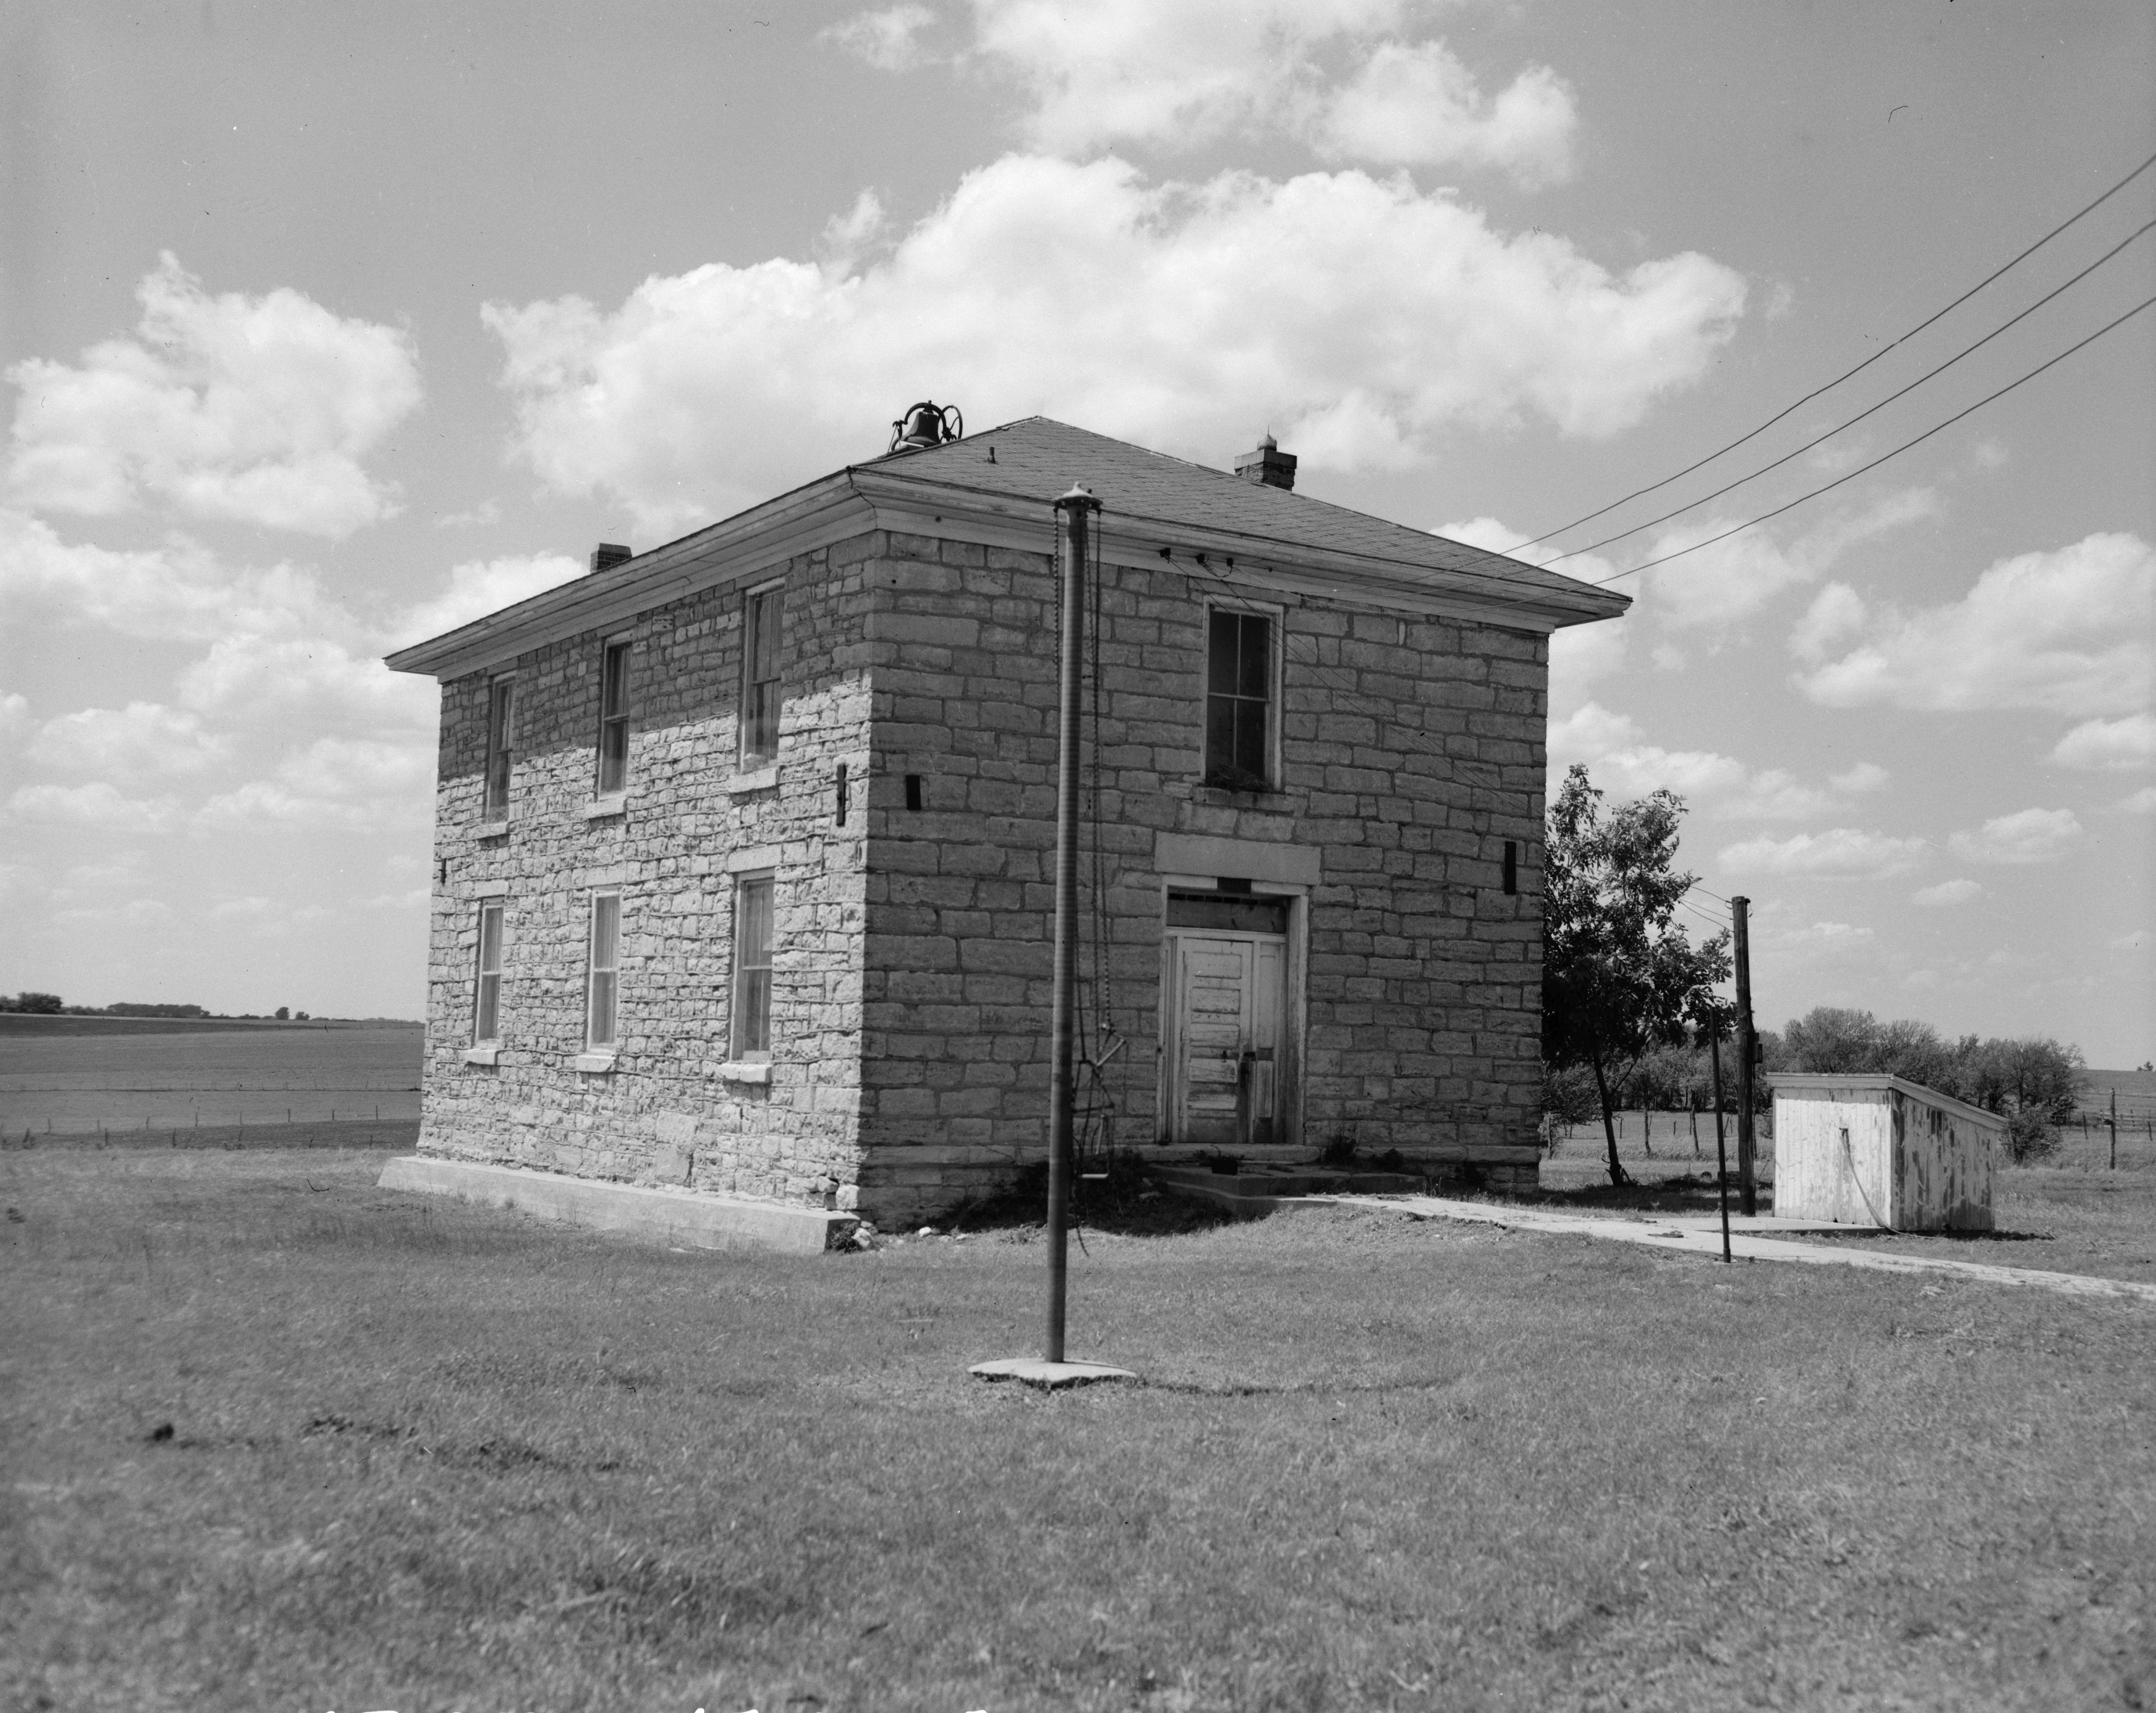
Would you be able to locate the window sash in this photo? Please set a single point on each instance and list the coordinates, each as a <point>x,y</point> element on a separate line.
<point>761,617</point>
<point>603,984</point>
<point>613,718</point>
<point>1238,696</point>
<point>753,938</point>
<point>486,1001</point>
<point>501,703</point>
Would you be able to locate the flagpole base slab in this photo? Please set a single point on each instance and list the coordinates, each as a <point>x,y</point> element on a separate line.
<point>1038,1371</point>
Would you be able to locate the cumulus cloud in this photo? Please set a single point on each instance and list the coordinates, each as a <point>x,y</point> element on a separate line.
<point>176,593</point>
<point>362,767</point>
<point>1946,893</point>
<point>1389,317</point>
<point>2140,802</point>
<point>2030,836</point>
<point>888,38</point>
<point>144,739</point>
<point>2108,743</point>
<point>96,804</point>
<point>262,679</point>
<point>1625,764</point>
<point>14,713</point>
<point>1840,852</point>
<point>1720,586</point>
<point>249,409</point>
<point>1417,105</point>
<point>264,804</point>
<point>480,587</point>
<point>2070,632</point>
<point>1336,75</point>
<point>1588,734</point>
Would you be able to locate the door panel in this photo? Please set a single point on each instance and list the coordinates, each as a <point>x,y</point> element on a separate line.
<point>1226,1000</point>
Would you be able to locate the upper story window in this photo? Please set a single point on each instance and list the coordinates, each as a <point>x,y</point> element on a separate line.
<point>500,700</point>
<point>602,973</point>
<point>486,1004</point>
<point>613,718</point>
<point>1239,699</point>
<point>751,1018</point>
<point>760,644</point>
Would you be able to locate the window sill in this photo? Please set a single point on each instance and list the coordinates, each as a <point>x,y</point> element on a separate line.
<point>739,1071</point>
<point>490,1054</point>
<point>1229,795</point>
<point>598,1063</point>
<point>606,808</point>
<point>492,830</point>
<point>762,780</point>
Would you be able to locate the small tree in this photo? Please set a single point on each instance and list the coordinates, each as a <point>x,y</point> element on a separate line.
<point>1620,978</point>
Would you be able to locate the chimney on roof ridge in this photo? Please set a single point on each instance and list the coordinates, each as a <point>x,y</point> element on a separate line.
<point>608,554</point>
<point>1268,465</point>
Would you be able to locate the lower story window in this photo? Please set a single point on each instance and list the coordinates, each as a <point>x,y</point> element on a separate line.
<point>752,1023</point>
<point>602,987</point>
<point>486,1010</point>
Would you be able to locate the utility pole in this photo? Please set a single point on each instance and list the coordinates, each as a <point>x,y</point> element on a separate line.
<point>1074,514</point>
<point>1721,1152</point>
<point>2113,1121</point>
<point>1076,518</point>
<point>1747,1051</point>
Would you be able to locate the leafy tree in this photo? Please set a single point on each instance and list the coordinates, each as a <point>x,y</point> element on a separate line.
<point>1620,978</point>
<point>43,1004</point>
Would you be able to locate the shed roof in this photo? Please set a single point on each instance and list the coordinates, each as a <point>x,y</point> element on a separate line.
<point>1829,1085</point>
<point>1007,479</point>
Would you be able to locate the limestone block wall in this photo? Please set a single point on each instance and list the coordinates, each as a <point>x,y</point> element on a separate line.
<point>667,1111</point>
<point>1411,750</point>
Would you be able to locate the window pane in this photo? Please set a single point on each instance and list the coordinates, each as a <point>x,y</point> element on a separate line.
<point>602,1029</point>
<point>613,680</point>
<point>487,1010</point>
<point>752,936</point>
<point>1250,737</point>
<point>1221,647</point>
<point>606,931</point>
<point>1255,678</point>
<point>498,711</point>
<point>613,756</point>
<point>763,623</point>
<point>755,1003</point>
<point>1219,733</point>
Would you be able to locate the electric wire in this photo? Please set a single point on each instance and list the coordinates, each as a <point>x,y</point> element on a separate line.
<point>1871,410</point>
<point>1779,415</point>
<point>1862,468</point>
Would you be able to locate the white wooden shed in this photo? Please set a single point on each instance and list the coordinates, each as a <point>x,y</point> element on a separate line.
<point>1871,1149</point>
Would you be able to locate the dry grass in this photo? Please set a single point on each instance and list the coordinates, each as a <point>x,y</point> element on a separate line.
<point>431,1457</point>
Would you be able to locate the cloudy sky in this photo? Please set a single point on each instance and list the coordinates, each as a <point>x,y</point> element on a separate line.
<point>328,327</point>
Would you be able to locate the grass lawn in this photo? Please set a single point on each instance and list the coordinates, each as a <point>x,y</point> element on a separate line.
<point>425,1457</point>
<point>2071,1212</point>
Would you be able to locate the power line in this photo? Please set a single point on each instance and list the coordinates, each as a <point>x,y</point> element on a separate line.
<point>1861,468</point>
<point>1653,487</point>
<point>1691,504</point>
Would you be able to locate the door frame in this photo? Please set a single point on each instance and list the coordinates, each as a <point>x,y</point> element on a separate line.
<point>1288,1072</point>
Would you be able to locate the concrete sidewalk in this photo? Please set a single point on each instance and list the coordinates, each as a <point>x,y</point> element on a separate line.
<point>1701,1234</point>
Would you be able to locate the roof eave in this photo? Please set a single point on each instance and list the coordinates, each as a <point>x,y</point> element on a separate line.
<point>823,510</point>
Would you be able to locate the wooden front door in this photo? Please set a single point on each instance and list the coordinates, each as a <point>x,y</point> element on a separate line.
<point>1226,998</point>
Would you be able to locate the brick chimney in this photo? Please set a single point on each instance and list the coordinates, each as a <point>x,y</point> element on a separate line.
<point>610,554</point>
<point>1268,465</point>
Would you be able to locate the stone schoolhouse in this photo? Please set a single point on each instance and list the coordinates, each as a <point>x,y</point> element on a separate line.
<point>742,881</point>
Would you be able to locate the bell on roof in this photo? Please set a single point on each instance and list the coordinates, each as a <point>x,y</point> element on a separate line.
<point>927,424</point>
